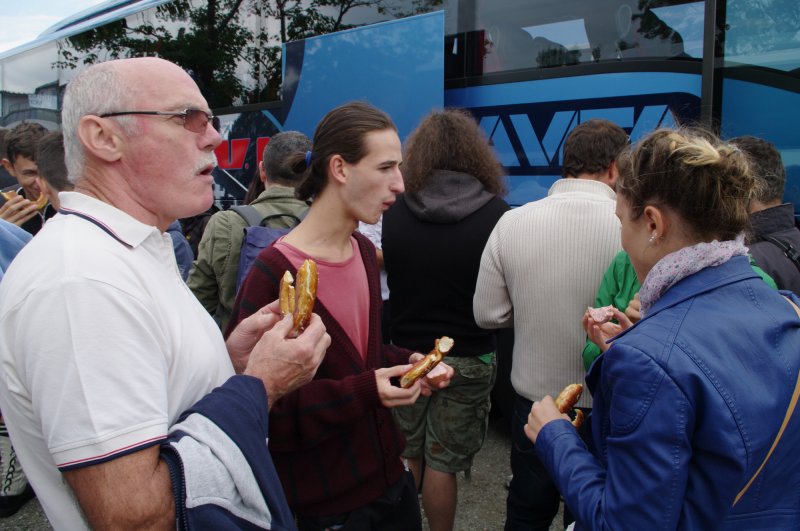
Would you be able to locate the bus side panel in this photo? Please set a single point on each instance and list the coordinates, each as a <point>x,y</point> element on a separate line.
<point>397,66</point>
<point>769,113</point>
<point>528,121</point>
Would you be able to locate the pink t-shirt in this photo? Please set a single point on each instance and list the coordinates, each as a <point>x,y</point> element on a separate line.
<point>342,288</point>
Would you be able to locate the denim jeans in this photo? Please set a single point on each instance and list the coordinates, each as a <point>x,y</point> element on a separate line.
<point>533,499</point>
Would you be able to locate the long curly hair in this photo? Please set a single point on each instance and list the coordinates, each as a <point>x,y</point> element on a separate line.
<point>450,140</point>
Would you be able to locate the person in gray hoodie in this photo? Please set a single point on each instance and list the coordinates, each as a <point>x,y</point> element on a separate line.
<point>433,237</point>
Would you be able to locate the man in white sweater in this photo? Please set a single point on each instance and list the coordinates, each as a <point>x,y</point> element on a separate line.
<point>539,271</point>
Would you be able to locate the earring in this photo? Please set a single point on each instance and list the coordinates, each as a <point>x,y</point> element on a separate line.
<point>652,238</point>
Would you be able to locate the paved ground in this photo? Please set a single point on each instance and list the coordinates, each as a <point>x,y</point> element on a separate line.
<point>481,499</point>
<point>29,518</point>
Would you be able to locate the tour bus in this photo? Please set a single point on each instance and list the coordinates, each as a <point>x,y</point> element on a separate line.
<point>528,70</point>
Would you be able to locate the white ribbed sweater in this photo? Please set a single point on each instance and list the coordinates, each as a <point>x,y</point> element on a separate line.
<point>539,272</point>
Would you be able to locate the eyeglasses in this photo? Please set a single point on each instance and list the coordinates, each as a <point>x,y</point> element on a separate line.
<point>194,120</point>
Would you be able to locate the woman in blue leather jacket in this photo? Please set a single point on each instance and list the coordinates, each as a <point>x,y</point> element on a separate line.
<point>693,424</point>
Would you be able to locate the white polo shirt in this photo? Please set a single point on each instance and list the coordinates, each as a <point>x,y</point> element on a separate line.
<point>102,346</point>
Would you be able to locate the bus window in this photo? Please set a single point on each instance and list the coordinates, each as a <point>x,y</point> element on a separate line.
<point>761,36</point>
<point>31,88</point>
<point>518,34</point>
<point>233,50</point>
<point>761,80</point>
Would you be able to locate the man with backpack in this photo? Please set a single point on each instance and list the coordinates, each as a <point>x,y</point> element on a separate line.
<point>213,278</point>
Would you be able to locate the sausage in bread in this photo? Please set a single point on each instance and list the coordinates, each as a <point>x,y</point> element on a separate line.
<point>425,365</point>
<point>298,299</point>
<point>567,399</point>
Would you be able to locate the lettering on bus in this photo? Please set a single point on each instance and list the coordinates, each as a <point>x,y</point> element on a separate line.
<point>232,153</point>
<point>528,138</point>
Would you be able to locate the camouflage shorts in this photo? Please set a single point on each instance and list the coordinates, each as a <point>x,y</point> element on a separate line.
<point>449,427</point>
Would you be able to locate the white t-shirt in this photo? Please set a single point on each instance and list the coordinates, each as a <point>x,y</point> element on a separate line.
<point>102,346</point>
<point>373,233</point>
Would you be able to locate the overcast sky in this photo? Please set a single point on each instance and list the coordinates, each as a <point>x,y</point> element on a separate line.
<point>23,20</point>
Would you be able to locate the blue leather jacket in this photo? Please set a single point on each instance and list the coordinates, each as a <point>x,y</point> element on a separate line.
<point>686,406</point>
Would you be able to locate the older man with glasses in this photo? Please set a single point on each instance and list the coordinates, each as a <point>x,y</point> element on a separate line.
<point>117,386</point>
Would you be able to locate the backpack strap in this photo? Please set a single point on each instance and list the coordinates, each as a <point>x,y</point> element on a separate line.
<point>788,251</point>
<point>786,418</point>
<point>264,221</point>
<point>253,218</point>
<point>248,213</point>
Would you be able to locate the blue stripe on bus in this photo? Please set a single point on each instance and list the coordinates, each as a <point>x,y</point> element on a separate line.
<point>763,111</point>
<point>575,88</point>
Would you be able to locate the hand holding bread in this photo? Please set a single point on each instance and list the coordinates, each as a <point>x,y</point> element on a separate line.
<point>297,299</point>
<point>441,348</point>
<point>547,410</point>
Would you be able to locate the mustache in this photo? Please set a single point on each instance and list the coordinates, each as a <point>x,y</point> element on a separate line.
<point>211,159</point>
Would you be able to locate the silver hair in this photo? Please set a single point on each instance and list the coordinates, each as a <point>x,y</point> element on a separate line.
<point>278,154</point>
<point>97,90</point>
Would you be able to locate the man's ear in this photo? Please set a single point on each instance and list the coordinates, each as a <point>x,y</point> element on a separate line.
<point>9,167</point>
<point>101,137</point>
<point>262,173</point>
<point>613,175</point>
<point>336,167</point>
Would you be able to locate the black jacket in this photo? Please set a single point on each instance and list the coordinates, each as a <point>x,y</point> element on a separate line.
<point>777,222</point>
<point>432,247</point>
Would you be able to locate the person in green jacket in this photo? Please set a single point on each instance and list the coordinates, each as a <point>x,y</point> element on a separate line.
<point>619,288</point>
<point>213,275</point>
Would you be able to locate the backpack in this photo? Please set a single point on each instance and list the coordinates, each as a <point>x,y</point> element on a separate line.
<point>193,228</point>
<point>257,236</point>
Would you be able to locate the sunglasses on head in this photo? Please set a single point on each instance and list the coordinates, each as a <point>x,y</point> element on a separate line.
<point>194,120</point>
